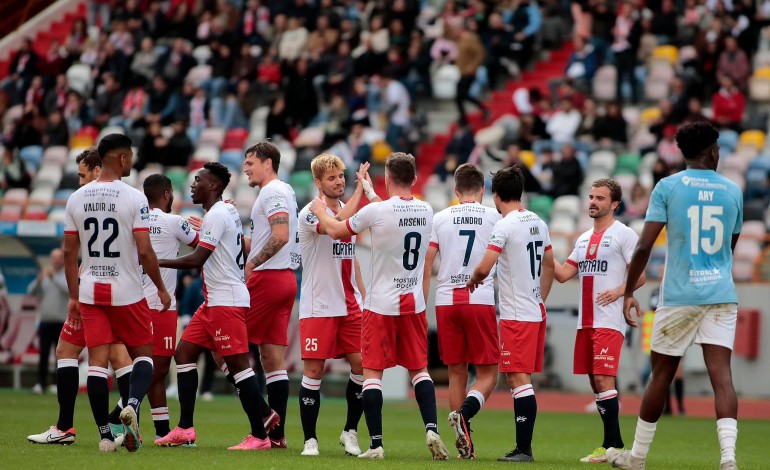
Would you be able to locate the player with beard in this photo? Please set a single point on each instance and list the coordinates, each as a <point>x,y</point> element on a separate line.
<point>600,258</point>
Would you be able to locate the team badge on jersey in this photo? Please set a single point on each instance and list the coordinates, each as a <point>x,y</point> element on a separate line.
<point>311,218</point>
<point>185,226</point>
<point>592,250</point>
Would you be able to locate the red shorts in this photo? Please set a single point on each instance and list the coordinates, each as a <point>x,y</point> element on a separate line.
<point>164,332</point>
<point>391,340</point>
<point>467,333</point>
<point>330,337</point>
<point>272,294</point>
<point>105,324</point>
<point>597,351</point>
<point>521,346</point>
<point>72,336</point>
<point>219,329</point>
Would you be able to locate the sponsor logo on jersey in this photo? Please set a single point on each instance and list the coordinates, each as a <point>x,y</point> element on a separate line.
<point>606,241</point>
<point>144,212</point>
<point>593,266</point>
<point>185,227</point>
<point>343,250</point>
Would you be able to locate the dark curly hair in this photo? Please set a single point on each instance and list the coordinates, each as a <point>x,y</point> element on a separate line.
<point>220,172</point>
<point>695,137</point>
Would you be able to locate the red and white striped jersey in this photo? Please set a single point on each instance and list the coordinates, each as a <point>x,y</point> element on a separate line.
<point>275,197</point>
<point>105,215</point>
<point>400,229</point>
<point>329,287</point>
<point>522,239</point>
<point>461,233</point>
<point>222,233</point>
<point>602,259</point>
<point>167,232</point>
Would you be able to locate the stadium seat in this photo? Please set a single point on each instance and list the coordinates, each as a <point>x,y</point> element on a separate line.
<point>604,84</point>
<point>602,159</point>
<point>302,182</point>
<point>206,154</point>
<point>39,203</point>
<point>232,159</point>
<point>627,181</point>
<point>561,246</point>
<point>235,139</point>
<point>664,54</point>
<point>380,152</point>
<point>32,156</point>
<point>202,54</point>
<point>79,79</point>
<point>752,138</point>
<point>13,114</point>
<point>562,224</point>
<point>754,210</point>
<point>637,225</point>
<point>13,204</point>
<point>50,175</point>
<point>541,205</point>
<point>728,140</point>
<point>444,81</point>
<point>178,177</point>
<point>437,196</point>
<point>56,155</point>
<point>211,136</point>
<point>649,115</point>
<point>754,230</point>
<point>759,87</point>
<point>528,158</point>
<point>110,130</point>
<point>198,74</point>
<point>743,270</point>
<point>628,163</point>
<point>567,205</point>
<point>656,86</point>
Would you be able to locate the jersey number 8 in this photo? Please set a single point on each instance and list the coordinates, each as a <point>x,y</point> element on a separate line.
<point>411,254</point>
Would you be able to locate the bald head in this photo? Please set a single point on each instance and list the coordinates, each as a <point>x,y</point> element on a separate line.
<point>57,259</point>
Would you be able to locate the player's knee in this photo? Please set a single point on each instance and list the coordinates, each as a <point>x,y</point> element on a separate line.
<point>604,383</point>
<point>66,350</point>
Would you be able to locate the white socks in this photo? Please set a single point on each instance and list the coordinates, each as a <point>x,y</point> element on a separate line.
<point>727,431</point>
<point>643,438</point>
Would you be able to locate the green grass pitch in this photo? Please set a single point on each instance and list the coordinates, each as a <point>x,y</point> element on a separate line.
<point>560,439</point>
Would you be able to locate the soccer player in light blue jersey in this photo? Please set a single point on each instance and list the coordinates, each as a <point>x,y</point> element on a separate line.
<point>703,213</point>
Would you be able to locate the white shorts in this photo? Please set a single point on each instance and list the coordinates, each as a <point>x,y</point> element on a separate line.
<point>675,328</point>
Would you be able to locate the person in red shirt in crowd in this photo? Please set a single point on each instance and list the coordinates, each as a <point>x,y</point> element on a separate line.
<point>728,104</point>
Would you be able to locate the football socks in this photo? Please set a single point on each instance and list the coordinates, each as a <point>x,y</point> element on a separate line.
<point>372,402</point>
<point>67,378</point>
<point>525,409</point>
<point>309,405</point>
<point>187,385</point>
<point>353,397</point>
<point>425,393</point>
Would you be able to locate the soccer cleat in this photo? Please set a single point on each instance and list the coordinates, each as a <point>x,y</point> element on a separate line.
<point>273,420</point>
<point>311,447</point>
<point>729,465</point>
<point>278,443</point>
<point>373,454</point>
<point>620,458</point>
<point>252,443</point>
<point>599,455</point>
<point>131,439</point>
<point>349,440</point>
<point>177,437</point>
<point>462,435</point>
<point>516,456</point>
<point>436,446</point>
<point>106,445</point>
<point>118,431</point>
<point>54,436</point>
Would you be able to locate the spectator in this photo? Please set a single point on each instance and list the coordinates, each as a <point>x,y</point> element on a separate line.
<point>179,147</point>
<point>396,102</point>
<point>340,71</point>
<point>359,147</point>
<point>496,39</point>
<point>375,39</point>
<point>679,97</point>
<point>255,24</point>
<point>76,39</point>
<point>563,123</point>
<point>111,59</point>
<point>109,100</point>
<point>151,150</point>
<point>324,37</point>
<point>155,24</point>
<point>175,64</point>
<point>26,130</point>
<point>293,41</point>
<point>198,113</point>
<point>734,63</point>
<point>728,105</point>
<point>665,23</point>
<point>670,159</point>
<point>13,171</point>
<point>301,98</point>
<point>221,63</point>
<point>145,60</point>
<point>611,128</point>
<point>567,173</point>
<point>22,69</point>
<point>513,157</point>
<point>134,105</point>
<point>470,56</point>
<point>182,24</point>
<point>582,65</point>
<point>457,152</point>
<point>525,24</point>
<point>54,62</point>
<point>695,108</point>
<point>121,38</point>
<point>99,13</point>
<point>56,97</point>
<point>161,103</point>
<point>56,131</point>
<point>245,65</point>
<point>278,120</point>
<point>50,287</point>
<point>625,56</point>
<point>640,199</point>
<point>35,93</point>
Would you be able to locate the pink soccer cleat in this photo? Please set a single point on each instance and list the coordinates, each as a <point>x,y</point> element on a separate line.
<point>252,443</point>
<point>177,437</point>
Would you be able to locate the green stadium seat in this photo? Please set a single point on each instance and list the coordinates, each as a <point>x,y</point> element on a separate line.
<point>541,205</point>
<point>302,182</point>
<point>628,164</point>
<point>178,177</point>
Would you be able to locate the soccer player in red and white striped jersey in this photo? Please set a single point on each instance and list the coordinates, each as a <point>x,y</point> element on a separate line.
<point>111,218</point>
<point>467,323</point>
<point>519,241</point>
<point>395,329</point>
<point>601,257</point>
<point>330,304</point>
<point>167,232</point>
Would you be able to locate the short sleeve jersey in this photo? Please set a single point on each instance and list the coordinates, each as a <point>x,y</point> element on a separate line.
<point>167,232</point>
<point>105,215</point>
<point>400,234</point>
<point>329,287</point>
<point>274,198</point>
<point>602,259</point>
<point>223,283</point>
<point>702,210</point>
<point>522,239</point>
<point>461,233</point>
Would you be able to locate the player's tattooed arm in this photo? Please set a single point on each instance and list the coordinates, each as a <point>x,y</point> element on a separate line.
<point>279,226</point>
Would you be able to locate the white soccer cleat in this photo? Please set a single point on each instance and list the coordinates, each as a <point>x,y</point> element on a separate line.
<point>311,447</point>
<point>53,436</point>
<point>729,465</point>
<point>373,454</point>
<point>349,440</point>
<point>131,438</point>
<point>106,445</point>
<point>619,458</point>
<point>436,446</point>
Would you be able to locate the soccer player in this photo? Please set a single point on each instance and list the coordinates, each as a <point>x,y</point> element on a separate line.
<point>700,210</point>
<point>220,323</point>
<point>167,232</point>
<point>520,240</point>
<point>273,256</point>
<point>329,305</point>
<point>394,328</point>
<point>467,324</point>
<point>112,218</point>
<point>71,343</point>
<point>600,258</point>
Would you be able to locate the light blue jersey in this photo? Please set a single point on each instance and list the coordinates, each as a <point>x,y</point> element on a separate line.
<point>702,210</point>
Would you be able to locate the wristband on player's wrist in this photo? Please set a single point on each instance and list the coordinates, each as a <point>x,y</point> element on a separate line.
<point>371,195</point>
